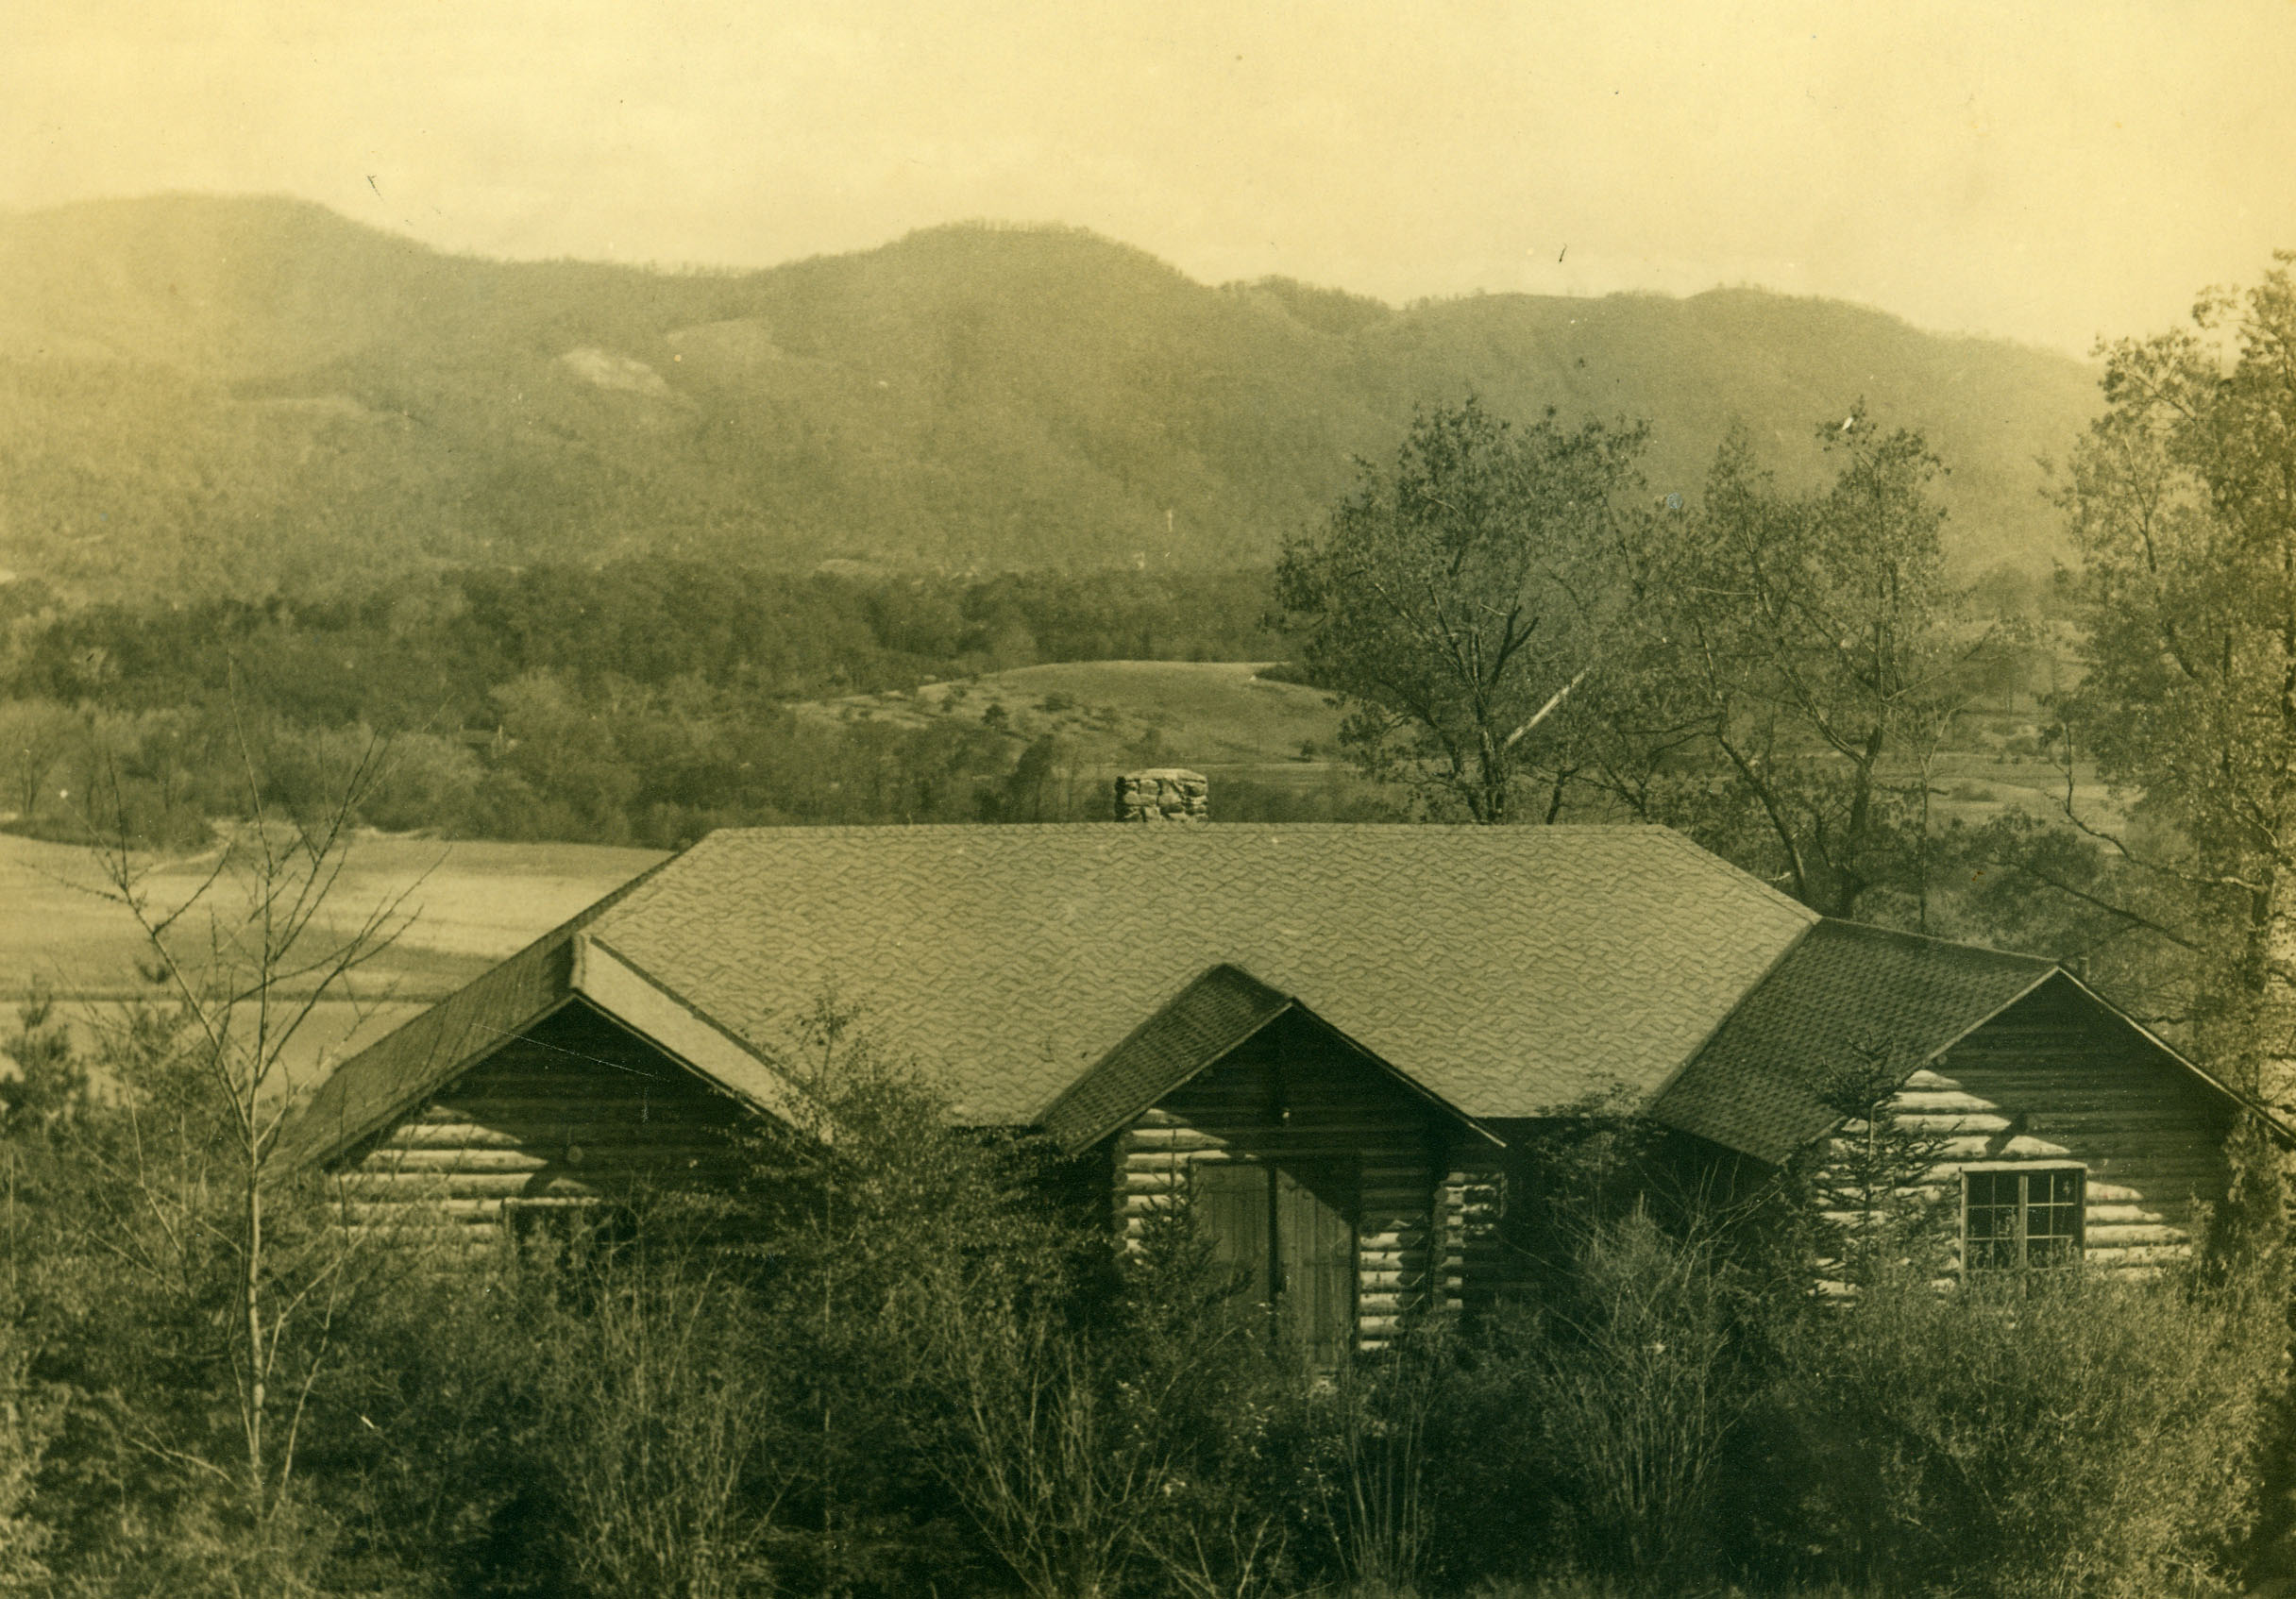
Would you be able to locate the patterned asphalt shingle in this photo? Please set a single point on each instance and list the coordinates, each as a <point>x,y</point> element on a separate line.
<point>1847,993</point>
<point>1207,1019</point>
<point>1508,970</point>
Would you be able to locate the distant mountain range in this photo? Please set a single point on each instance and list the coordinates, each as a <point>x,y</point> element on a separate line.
<point>202,395</point>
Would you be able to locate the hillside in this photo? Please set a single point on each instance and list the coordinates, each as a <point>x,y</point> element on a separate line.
<point>203,396</point>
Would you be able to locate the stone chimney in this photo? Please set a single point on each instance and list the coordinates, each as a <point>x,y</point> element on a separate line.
<point>1162,794</point>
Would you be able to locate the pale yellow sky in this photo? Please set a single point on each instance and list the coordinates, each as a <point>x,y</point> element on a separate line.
<point>2043,171</point>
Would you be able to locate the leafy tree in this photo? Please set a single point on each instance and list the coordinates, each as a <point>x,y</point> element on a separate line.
<point>1803,659</point>
<point>1458,600</point>
<point>2182,502</point>
<point>35,737</point>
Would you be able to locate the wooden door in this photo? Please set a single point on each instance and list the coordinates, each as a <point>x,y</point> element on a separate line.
<point>1315,1261</point>
<point>1235,1211</point>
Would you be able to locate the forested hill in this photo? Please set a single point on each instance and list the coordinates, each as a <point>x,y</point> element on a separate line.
<point>238,396</point>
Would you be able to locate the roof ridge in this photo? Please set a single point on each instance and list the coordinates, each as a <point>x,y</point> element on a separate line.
<point>1215,829</point>
<point>1852,924</point>
<point>1713,862</point>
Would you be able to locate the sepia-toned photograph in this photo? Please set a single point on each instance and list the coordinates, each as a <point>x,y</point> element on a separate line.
<point>1273,799</point>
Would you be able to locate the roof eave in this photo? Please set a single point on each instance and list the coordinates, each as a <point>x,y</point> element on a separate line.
<point>1077,1143</point>
<point>635,1000</point>
<point>2281,1130</point>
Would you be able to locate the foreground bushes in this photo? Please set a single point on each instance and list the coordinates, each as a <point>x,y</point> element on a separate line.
<point>2067,1434</point>
<point>935,1376</point>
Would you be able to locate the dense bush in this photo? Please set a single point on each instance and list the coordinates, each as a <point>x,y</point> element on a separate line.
<point>904,1359</point>
<point>2067,1434</point>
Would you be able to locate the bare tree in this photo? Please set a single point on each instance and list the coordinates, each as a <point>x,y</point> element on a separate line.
<point>199,1206</point>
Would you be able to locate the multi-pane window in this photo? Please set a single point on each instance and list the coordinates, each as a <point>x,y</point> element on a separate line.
<point>2023,1216</point>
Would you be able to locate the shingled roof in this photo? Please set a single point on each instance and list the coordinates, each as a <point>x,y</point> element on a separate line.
<point>1508,970</point>
<point>1205,1022</point>
<point>434,1046</point>
<point>1846,994</point>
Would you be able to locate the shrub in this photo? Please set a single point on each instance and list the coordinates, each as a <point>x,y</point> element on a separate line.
<point>673,1451</point>
<point>2063,1434</point>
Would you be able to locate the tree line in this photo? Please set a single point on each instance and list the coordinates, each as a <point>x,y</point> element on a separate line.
<point>638,702</point>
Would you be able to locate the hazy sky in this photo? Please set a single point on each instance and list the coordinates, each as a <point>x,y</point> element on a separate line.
<point>2045,171</point>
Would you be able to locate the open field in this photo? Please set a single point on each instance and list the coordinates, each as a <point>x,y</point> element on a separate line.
<point>459,906</point>
<point>1200,712</point>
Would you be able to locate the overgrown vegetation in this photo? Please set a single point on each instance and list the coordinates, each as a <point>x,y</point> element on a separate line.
<point>908,1360</point>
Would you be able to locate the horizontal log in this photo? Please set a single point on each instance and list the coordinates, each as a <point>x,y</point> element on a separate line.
<point>1958,1122</point>
<point>1392,1260</point>
<point>547,1068</point>
<point>1168,1134</point>
<point>553,1111</point>
<point>374,1212</point>
<point>2115,1214</point>
<point>477,1136</point>
<point>418,1160</point>
<point>417,1227</point>
<point>2122,1237</point>
<point>2067,1083</point>
<point>1357,1131</point>
<point>2151,1125</point>
<point>1133,1182</point>
<point>491,1185</point>
<point>1390,1281</point>
<point>1957,1149</point>
<point>1395,1235</point>
<point>2170,1184</point>
<point>1938,1102</point>
<point>2112,1255</point>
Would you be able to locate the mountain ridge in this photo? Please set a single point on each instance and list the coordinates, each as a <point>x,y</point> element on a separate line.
<point>240,394</point>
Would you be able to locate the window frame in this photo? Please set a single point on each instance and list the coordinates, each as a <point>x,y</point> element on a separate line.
<point>2021,1209</point>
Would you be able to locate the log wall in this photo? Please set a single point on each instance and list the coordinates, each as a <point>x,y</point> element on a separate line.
<point>1291,1098</point>
<point>575,1111</point>
<point>2054,1081</point>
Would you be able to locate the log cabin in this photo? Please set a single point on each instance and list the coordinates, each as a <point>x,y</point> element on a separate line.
<point>1337,1038</point>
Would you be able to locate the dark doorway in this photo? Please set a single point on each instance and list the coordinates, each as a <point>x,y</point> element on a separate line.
<point>1290,1235</point>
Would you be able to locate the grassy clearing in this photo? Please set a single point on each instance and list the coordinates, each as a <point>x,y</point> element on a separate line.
<point>1200,712</point>
<point>469,904</point>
